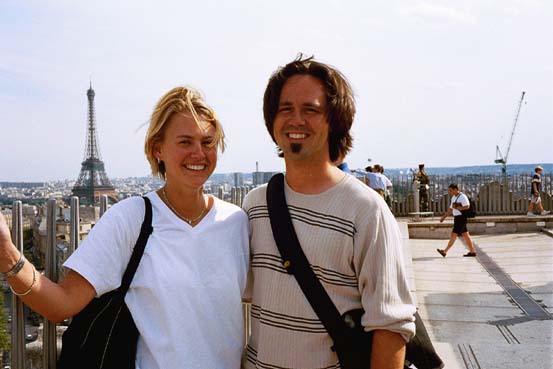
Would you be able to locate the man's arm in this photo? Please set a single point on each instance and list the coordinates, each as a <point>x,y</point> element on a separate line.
<point>388,351</point>
<point>448,213</point>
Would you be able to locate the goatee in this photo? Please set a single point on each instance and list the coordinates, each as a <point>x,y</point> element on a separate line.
<point>296,148</point>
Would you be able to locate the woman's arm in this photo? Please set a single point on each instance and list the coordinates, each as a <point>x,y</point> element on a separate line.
<point>54,301</point>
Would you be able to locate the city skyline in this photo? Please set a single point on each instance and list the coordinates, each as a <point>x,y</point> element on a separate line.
<point>435,82</point>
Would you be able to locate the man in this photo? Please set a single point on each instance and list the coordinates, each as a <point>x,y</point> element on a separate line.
<point>371,179</point>
<point>375,180</point>
<point>535,198</point>
<point>346,231</point>
<point>459,202</point>
<point>424,182</point>
<point>342,164</point>
<point>386,184</point>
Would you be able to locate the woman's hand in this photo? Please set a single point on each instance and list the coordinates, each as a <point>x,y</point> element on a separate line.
<point>8,253</point>
<point>5,235</point>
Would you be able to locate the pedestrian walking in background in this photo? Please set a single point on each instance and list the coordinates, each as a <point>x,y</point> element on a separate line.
<point>459,203</point>
<point>535,190</point>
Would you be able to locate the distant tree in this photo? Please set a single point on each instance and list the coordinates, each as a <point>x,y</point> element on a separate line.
<point>4,335</point>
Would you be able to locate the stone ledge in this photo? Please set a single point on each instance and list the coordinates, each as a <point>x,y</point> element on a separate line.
<point>481,226</point>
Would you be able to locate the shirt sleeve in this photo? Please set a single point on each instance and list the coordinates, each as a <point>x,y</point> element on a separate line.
<point>103,256</point>
<point>464,200</point>
<point>248,291</point>
<point>535,178</point>
<point>381,274</point>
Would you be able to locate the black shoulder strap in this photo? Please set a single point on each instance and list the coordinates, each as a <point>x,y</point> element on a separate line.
<point>295,261</point>
<point>139,247</point>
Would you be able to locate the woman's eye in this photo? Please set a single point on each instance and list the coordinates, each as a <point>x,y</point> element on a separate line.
<point>285,109</point>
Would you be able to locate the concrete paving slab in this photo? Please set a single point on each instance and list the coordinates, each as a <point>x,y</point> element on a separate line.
<point>450,355</point>
<point>474,324</point>
<point>475,314</point>
<point>457,287</point>
<point>463,332</point>
<point>512,356</point>
<point>465,299</point>
<point>442,268</point>
<point>539,290</point>
<point>527,268</point>
<point>531,278</point>
<point>426,275</point>
<point>546,298</point>
<point>534,332</point>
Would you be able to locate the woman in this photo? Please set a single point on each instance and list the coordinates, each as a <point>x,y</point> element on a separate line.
<point>185,296</point>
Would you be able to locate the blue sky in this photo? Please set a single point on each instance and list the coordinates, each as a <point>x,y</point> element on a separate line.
<point>435,81</point>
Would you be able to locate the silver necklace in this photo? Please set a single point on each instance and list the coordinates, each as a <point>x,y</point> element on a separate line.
<point>189,221</point>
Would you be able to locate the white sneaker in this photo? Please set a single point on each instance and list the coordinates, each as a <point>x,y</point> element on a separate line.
<point>545,212</point>
<point>530,214</point>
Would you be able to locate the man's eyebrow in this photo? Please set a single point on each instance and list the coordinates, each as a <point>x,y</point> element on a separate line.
<point>308,104</point>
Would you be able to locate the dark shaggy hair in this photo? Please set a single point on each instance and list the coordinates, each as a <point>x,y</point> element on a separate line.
<point>340,109</point>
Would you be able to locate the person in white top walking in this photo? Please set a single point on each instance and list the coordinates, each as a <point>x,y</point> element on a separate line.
<point>535,198</point>
<point>459,203</point>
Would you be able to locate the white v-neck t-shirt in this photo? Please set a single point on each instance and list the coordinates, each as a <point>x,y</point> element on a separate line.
<point>185,297</point>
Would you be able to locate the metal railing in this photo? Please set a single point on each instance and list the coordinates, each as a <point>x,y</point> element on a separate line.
<point>49,332</point>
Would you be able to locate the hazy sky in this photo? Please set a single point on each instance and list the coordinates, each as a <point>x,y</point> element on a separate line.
<point>435,81</point>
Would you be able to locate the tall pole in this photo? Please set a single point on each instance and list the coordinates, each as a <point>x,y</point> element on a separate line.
<point>49,339</point>
<point>18,316</point>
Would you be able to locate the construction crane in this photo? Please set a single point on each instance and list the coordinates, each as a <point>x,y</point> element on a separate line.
<point>499,158</point>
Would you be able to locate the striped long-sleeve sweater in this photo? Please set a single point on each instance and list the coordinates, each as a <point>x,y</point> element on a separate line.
<point>353,244</point>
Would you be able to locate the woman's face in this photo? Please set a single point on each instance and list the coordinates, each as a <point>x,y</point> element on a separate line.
<point>187,151</point>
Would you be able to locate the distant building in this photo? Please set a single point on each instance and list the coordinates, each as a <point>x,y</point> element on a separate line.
<point>260,178</point>
<point>238,179</point>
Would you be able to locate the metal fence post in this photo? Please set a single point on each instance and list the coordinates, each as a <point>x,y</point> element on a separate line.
<point>18,316</point>
<point>74,223</point>
<point>416,196</point>
<point>103,204</point>
<point>49,338</point>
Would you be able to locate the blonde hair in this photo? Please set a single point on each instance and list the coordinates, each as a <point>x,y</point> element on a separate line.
<point>179,100</point>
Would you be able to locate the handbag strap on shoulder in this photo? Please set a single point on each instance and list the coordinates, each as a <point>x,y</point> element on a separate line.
<point>145,231</point>
<point>296,263</point>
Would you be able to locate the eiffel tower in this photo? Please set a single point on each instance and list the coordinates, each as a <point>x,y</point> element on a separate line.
<point>93,180</point>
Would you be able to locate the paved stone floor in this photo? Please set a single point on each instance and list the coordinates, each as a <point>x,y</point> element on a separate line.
<point>487,316</point>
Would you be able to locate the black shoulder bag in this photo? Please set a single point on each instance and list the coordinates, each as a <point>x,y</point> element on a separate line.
<point>351,343</point>
<point>103,335</point>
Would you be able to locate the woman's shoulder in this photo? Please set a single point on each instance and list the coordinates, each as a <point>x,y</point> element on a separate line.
<point>226,209</point>
<point>132,205</point>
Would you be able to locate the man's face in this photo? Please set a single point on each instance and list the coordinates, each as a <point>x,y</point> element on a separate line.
<point>452,191</point>
<point>301,127</point>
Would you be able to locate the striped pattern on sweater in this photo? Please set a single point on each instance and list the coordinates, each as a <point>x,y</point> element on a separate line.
<point>353,245</point>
